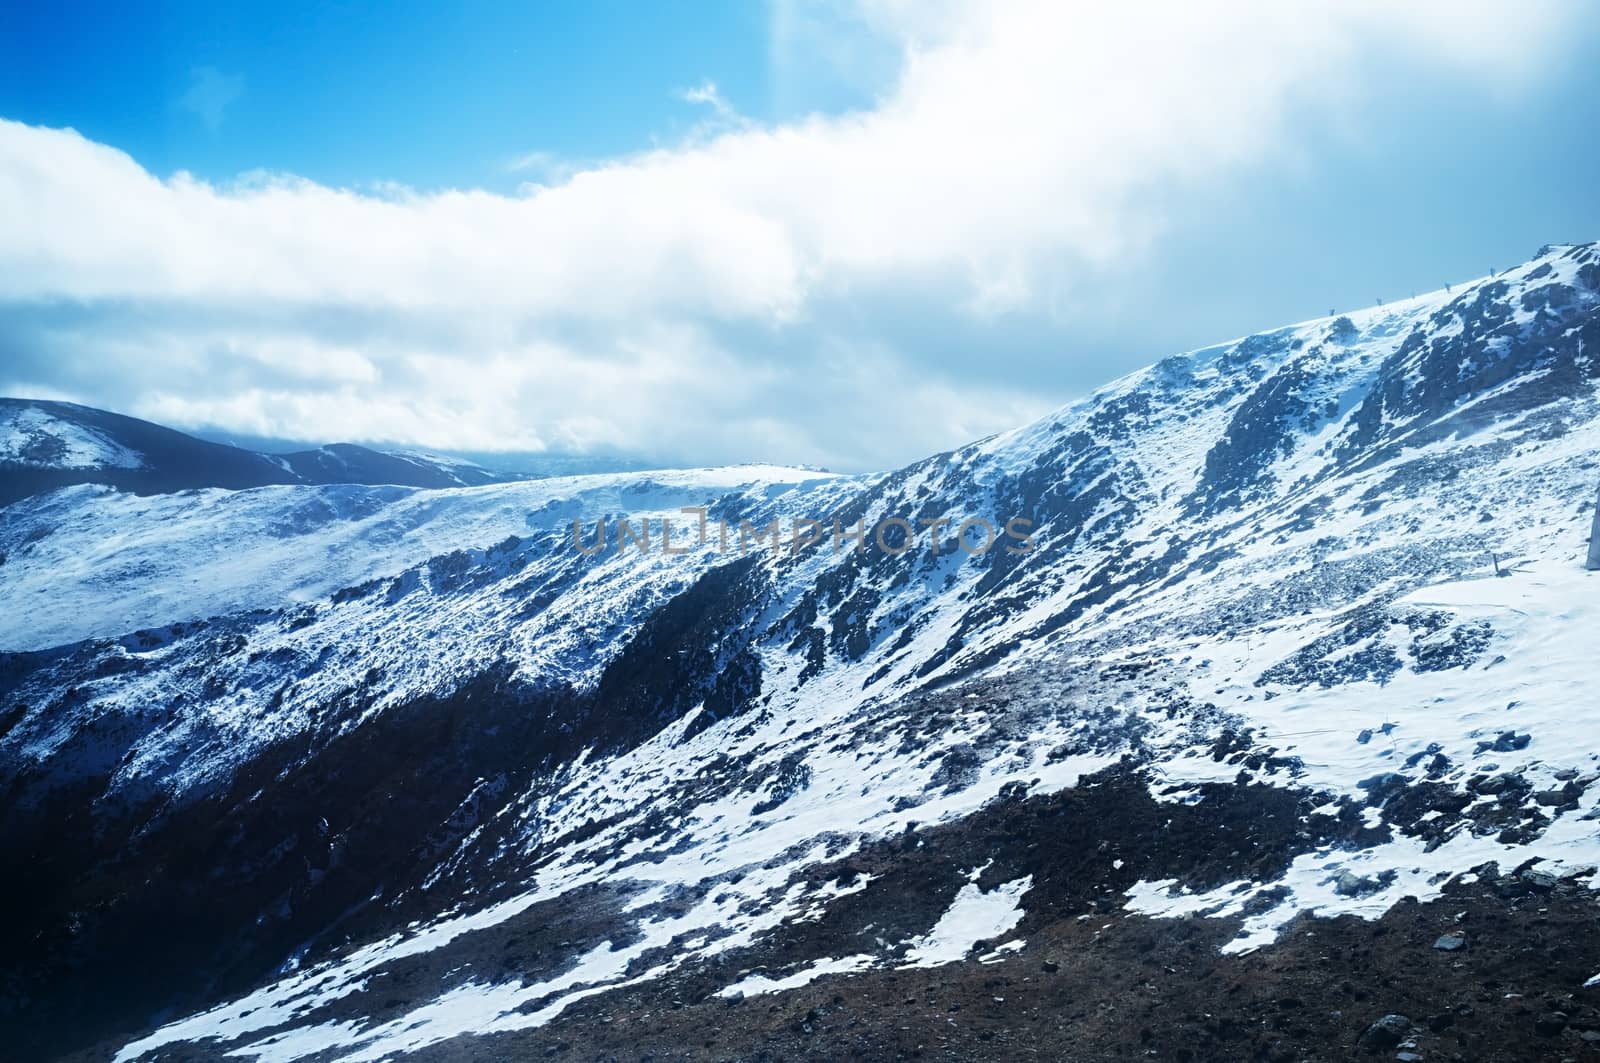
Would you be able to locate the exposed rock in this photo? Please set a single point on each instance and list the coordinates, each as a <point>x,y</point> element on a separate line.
<point>1379,787</point>
<point>1506,742</point>
<point>1497,784</point>
<point>1385,1033</point>
<point>1349,884</point>
<point>1566,795</point>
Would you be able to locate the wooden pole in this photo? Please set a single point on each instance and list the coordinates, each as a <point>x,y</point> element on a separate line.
<point>1594,540</point>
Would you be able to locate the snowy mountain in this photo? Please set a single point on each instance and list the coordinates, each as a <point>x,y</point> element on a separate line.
<point>47,445</point>
<point>1294,625</point>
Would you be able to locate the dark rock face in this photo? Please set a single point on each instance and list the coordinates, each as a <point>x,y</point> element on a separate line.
<point>323,836</point>
<point>1481,341</point>
<point>1263,429</point>
<point>294,849</point>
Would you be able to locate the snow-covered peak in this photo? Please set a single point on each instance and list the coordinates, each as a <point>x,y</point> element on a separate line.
<point>48,445</point>
<point>34,436</point>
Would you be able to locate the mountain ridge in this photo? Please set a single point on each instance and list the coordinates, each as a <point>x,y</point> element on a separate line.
<point>1263,603</point>
<point>45,445</point>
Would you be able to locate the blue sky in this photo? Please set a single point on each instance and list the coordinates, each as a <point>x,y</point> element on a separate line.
<point>427,94</point>
<point>724,231</point>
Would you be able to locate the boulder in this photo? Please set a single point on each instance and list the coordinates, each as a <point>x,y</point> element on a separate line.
<point>1385,1033</point>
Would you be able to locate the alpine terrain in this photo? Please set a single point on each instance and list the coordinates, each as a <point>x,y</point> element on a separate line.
<point>1245,709</point>
<point>45,445</point>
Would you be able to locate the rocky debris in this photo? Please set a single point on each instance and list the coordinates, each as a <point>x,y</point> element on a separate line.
<point>1126,987</point>
<point>1380,787</point>
<point>1494,785</point>
<point>1567,795</point>
<point>1505,742</point>
<point>1459,647</point>
<point>1349,884</point>
<point>1384,1033</point>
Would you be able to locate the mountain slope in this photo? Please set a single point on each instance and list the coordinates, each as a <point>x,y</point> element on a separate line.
<point>47,445</point>
<point>1257,663</point>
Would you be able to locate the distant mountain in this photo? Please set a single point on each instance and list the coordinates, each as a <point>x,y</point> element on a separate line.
<point>46,445</point>
<point>504,465</point>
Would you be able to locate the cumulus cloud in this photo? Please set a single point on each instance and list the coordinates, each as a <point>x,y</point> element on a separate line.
<point>736,296</point>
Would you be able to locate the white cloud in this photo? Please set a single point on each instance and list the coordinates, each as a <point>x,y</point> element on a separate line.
<point>711,301</point>
<point>544,166</point>
<point>209,94</point>
<point>706,93</point>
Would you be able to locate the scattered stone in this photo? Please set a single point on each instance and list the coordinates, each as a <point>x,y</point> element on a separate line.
<point>1349,884</point>
<point>1385,1033</point>
<point>1568,794</point>
<point>1381,785</point>
<point>1551,1023</point>
<point>1432,751</point>
<point>1050,966</point>
<point>1506,742</point>
<point>1450,942</point>
<point>1265,901</point>
<point>1496,784</point>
